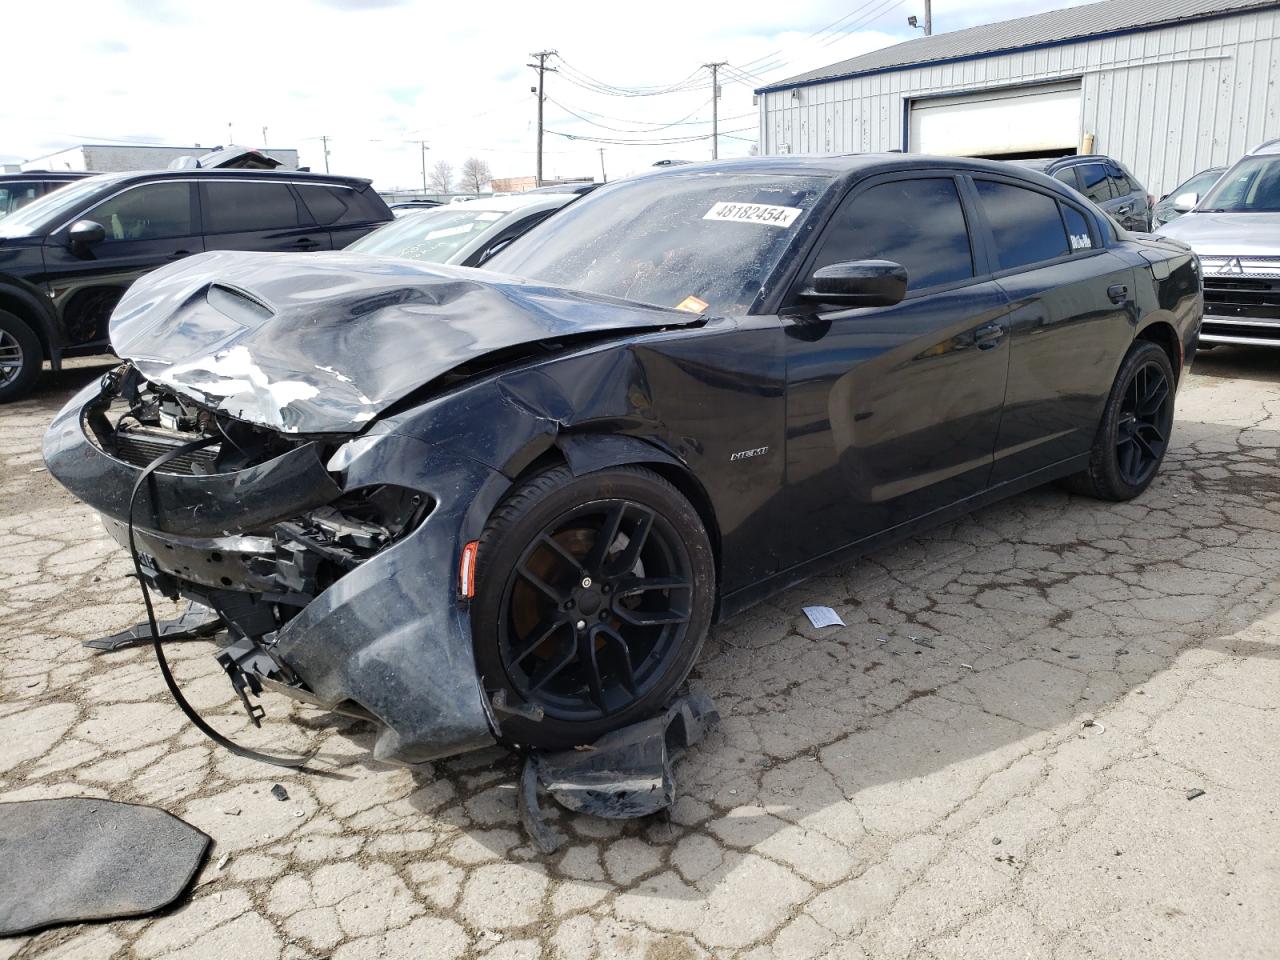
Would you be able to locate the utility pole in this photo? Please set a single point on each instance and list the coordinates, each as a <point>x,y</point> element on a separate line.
<point>231,137</point>
<point>603,177</point>
<point>264,136</point>
<point>715,107</point>
<point>928,18</point>
<point>423,145</point>
<point>325,140</point>
<point>542,68</point>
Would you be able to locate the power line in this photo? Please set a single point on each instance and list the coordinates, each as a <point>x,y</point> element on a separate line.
<point>691,138</point>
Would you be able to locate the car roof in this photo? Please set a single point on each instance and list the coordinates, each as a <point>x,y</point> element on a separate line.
<point>1266,147</point>
<point>45,175</point>
<point>231,173</point>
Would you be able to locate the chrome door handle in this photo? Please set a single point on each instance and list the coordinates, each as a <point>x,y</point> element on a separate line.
<point>988,336</point>
<point>1118,293</point>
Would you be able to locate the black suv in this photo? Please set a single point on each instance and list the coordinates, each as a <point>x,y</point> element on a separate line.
<point>19,189</point>
<point>1104,181</point>
<point>67,258</point>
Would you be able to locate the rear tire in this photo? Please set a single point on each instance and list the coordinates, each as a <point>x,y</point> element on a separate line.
<point>593,597</point>
<point>1136,425</point>
<point>20,358</point>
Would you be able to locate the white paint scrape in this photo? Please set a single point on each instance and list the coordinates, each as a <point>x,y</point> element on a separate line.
<point>239,386</point>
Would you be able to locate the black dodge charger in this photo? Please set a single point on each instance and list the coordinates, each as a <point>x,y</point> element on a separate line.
<point>508,504</point>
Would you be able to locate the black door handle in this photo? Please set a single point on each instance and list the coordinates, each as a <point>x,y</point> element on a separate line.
<point>1118,293</point>
<point>179,254</point>
<point>305,243</point>
<point>988,336</point>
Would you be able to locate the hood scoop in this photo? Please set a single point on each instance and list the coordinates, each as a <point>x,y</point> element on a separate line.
<point>323,343</point>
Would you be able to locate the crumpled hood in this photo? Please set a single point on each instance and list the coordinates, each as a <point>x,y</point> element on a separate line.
<point>323,342</point>
<point>1229,234</point>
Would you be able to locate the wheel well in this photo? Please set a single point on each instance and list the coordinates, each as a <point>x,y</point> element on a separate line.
<point>675,475</point>
<point>1166,338</point>
<point>15,305</point>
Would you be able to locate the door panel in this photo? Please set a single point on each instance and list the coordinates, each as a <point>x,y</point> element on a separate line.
<point>147,226</point>
<point>892,412</point>
<point>1067,340</point>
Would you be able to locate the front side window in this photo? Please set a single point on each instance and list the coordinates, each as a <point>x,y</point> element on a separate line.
<point>1121,185</point>
<point>1026,225</point>
<point>705,242</point>
<point>1251,186</point>
<point>238,206</point>
<point>153,211</point>
<point>1094,182</point>
<point>917,223</point>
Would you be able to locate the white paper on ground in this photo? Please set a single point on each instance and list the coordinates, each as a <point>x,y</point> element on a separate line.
<point>823,617</point>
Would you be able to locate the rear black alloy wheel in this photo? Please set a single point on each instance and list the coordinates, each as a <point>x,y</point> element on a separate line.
<point>1142,429</point>
<point>593,598</point>
<point>1137,421</point>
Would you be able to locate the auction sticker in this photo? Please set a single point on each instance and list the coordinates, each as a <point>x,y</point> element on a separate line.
<point>764,213</point>
<point>692,304</point>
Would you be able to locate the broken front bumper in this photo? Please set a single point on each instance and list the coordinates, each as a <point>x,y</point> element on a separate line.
<point>388,637</point>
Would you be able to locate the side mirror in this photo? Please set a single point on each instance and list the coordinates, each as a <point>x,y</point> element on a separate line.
<point>1185,201</point>
<point>85,233</point>
<point>858,283</point>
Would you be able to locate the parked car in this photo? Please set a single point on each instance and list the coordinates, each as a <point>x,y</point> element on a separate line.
<point>580,189</point>
<point>1235,228</point>
<point>508,504</point>
<point>1166,208</point>
<point>66,259</point>
<point>412,206</point>
<point>1104,181</point>
<point>467,234</point>
<point>19,189</point>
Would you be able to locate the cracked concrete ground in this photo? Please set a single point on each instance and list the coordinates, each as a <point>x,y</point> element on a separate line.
<point>862,799</point>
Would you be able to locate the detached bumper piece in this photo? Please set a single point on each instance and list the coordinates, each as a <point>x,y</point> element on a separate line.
<point>623,775</point>
<point>197,622</point>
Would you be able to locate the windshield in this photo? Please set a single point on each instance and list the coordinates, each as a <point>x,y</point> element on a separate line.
<point>433,235</point>
<point>697,241</point>
<point>1251,186</point>
<point>53,208</point>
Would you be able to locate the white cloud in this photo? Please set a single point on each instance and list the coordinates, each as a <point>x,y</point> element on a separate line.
<point>376,76</point>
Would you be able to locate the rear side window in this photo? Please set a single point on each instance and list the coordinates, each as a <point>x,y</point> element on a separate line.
<point>235,207</point>
<point>1078,234</point>
<point>1094,182</point>
<point>152,211</point>
<point>1026,225</point>
<point>366,206</point>
<point>1068,176</point>
<point>917,223</point>
<point>327,204</point>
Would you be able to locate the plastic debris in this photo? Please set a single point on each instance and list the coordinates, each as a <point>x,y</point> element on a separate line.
<point>226,858</point>
<point>1090,722</point>
<point>279,792</point>
<point>1193,793</point>
<point>921,641</point>
<point>823,617</point>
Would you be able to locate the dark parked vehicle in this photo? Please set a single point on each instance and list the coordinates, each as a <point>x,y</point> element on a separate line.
<point>66,259</point>
<point>19,189</point>
<point>466,234</point>
<point>1166,208</point>
<point>409,206</point>
<point>1104,181</point>
<point>472,506</point>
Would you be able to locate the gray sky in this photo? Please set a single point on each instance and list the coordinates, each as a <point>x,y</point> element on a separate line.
<point>377,75</point>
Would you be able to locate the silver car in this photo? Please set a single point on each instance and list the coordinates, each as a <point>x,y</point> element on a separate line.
<point>1235,230</point>
<point>466,234</point>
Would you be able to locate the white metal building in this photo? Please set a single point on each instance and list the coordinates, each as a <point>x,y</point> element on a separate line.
<point>121,158</point>
<point>1168,88</point>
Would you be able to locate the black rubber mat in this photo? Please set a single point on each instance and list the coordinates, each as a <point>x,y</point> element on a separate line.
<point>79,858</point>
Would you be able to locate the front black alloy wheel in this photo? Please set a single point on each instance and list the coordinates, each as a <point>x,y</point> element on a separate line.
<point>593,597</point>
<point>1137,421</point>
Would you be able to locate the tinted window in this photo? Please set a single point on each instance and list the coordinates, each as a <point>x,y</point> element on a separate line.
<point>150,212</point>
<point>1077,228</point>
<point>231,207</point>
<point>917,223</point>
<point>1026,225</point>
<point>1120,182</point>
<point>1094,183</point>
<point>365,205</point>
<point>1068,176</point>
<point>327,204</point>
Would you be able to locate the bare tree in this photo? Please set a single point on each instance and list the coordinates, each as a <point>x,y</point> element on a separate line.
<point>442,177</point>
<point>475,174</point>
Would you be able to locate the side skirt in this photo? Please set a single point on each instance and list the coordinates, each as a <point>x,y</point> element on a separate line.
<point>747,597</point>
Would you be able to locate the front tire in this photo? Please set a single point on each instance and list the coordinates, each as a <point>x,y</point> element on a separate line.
<point>20,358</point>
<point>1137,421</point>
<point>593,597</point>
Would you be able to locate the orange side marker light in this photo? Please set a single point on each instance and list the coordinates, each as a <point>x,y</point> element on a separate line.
<point>467,570</point>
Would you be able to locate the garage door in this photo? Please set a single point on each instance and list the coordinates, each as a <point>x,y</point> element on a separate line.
<point>1017,120</point>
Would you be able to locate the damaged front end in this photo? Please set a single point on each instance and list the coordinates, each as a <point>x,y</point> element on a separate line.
<point>332,560</point>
